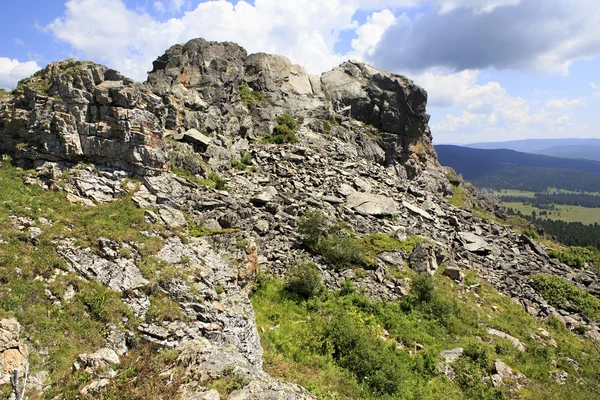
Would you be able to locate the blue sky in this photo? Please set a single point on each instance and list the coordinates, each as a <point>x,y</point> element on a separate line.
<point>494,69</point>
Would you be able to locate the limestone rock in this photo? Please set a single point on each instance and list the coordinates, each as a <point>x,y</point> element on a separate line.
<point>516,342</point>
<point>372,204</point>
<point>121,274</point>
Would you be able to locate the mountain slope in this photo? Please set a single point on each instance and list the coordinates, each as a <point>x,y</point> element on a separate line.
<point>582,151</point>
<point>234,228</point>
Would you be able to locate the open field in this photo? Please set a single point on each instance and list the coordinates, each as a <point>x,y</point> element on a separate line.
<point>564,213</point>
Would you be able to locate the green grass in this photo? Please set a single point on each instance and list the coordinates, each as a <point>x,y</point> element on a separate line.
<point>459,198</point>
<point>308,342</point>
<point>68,328</point>
<point>520,193</point>
<point>558,292</point>
<point>563,213</point>
<point>377,243</point>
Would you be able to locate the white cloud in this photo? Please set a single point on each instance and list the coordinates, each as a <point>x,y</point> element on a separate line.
<point>486,111</point>
<point>304,30</point>
<point>564,103</point>
<point>11,71</point>
<point>159,6</point>
<point>594,85</point>
<point>369,34</point>
<point>479,6</point>
<point>442,6</point>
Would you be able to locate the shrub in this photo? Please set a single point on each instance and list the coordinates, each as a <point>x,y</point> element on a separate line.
<point>285,130</point>
<point>577,257</point>
<point>358,349</point>
<point>341,251</point>
<point>303,278</point>
<point>250,96</point>
<point>219,183</point>
<point>558,292</point>
<point>422,289</point>
<point>337,247</point>
<point>313,226</point>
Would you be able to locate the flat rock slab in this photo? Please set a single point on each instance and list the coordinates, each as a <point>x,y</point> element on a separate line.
<point>417,210</point>
<point>474,243</point>
<point>120,275</point>
<point>516,342</point>
<point>372,204</point>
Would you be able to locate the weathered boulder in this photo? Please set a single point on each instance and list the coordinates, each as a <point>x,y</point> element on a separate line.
<point>423,258</point>
<point>372,204</point>
<point>204,362</point>
<point>13,352</point>
<point>121,274</point>
<point>73,111</point>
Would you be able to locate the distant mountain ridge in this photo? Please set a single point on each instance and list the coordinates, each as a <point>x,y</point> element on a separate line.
<point>573,148</point>
<point>509,169</point>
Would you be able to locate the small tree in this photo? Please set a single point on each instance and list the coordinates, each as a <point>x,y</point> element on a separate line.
<point>303,278</point>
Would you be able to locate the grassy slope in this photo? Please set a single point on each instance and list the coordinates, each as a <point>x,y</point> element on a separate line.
<point>299,348</point>
<point>67,328</point>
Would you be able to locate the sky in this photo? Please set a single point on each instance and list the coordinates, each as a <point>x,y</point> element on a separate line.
<point>495,70</point>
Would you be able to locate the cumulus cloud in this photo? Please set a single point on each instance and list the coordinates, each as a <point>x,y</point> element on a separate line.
<point>12,70</point>
<point>442,6</point>
<point>304,30</point>
<point>466,110</point>
<point>369,34</point>
<point>564,103</point>
<point>544,36</point>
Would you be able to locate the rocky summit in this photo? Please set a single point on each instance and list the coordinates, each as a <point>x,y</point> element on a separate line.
<point>145,224</point>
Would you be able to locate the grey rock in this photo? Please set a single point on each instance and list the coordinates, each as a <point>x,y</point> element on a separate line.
<point>474,243</point>
<point>119,275</point>
<point>372,204</point>
<point>449,356</point>
<point>453,272</point>
<point>423,258</point>
<point>516,342</point>
<point>262,227</point>
<point>417,211</point>
<point>173,218</point>
<point>264,197</point>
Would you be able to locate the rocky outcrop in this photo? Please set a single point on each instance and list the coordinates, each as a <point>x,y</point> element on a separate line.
<point>13,352</point>
<point>74,111</point>
<point>204,363</point>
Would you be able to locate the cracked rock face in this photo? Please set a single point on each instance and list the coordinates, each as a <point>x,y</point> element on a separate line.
<point>73,111</point>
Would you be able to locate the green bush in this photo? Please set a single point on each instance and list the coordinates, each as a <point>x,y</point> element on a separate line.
<point>577,257</point>
<point>358,349</point>
<point>285,130</point>
<point>250,96</point>
<point>217,180</point>
<point>337,247</point>
<point>303,278</point>
<point>558,292</point>
<point>422,288</point>
<point>312,227</point>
